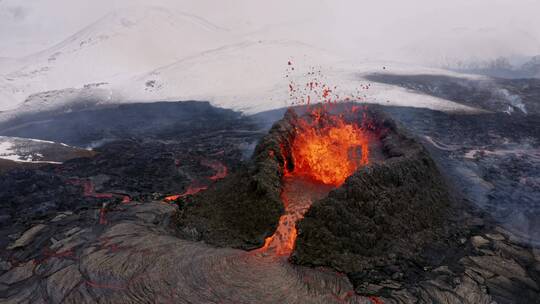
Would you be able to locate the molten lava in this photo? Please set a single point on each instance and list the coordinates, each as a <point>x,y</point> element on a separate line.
<point>89,191</point>
<point>190,191</point>
<point>328,149</point>
<point>218,167</point>
<point>196,187</point>
<point>298,194</point>
<point>325,151</point>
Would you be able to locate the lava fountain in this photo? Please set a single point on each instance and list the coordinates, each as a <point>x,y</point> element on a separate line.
<point>305,155</point>
<point>325,150</point>
<point>328,149</point>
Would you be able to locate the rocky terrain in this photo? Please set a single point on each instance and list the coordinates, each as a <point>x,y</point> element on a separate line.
<point>142,166</point>
<point>387,212</point>
<point>99,229</point>
<point>513,96</point>
<point>244,208</point>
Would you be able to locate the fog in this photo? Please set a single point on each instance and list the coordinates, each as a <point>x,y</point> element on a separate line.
<point>421,31</point>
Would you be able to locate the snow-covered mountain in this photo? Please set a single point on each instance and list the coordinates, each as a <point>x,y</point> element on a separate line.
<point>463,46</point>
<point>141,55</point>
<point>127,42</point>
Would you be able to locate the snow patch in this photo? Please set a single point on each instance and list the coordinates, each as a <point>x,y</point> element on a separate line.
<point>25,150</point>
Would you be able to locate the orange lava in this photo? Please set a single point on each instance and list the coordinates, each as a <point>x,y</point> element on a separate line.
<point>282,241</point>
<point>375,300</point>
<point>89,191</point>
<point>328,149</point>
<point>325,151</point>
<point>190,191</point>
<point>298,194</point>
<point>219,168</point>
<point>196,187</point>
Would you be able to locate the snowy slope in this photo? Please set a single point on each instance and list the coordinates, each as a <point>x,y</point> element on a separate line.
<point>253,77</point>
<point>9,95</point>
<point>144,55</point>
<point>244,76</point>
<point>126,42</point>
<point>6,64</point>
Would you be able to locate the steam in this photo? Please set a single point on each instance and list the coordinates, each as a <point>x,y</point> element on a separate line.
<point>513,100</point>
<point>501,97</point>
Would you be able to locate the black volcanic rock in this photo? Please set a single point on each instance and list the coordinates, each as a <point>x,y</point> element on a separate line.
<point>150,164</point>
<point>71,256</point>
<point>386,209</point>
<point>244,208</point>
<point>512,96</point>
<point>391,211</point>
<point>391,207</point>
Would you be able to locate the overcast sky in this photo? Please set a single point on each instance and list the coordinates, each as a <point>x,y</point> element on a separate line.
<point>428,31</point>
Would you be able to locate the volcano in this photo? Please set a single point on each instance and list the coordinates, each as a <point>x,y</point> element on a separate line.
<point>341,186</point>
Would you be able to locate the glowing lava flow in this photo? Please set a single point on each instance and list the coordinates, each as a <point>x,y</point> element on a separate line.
<point>220,172</point>
<point>89,191</point>
<point>328,149</point>
<point>325,151</point>
<point>190,191</point>
<point>298,194</point>
<point>219,168</point>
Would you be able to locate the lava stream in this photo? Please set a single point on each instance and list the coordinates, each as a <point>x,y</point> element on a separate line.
<point>190,191</point>
<point>89,191</point>
<point>197,186</point>
<point>298,194</point>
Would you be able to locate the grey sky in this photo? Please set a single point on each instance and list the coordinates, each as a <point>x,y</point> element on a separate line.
<point>428,31</point>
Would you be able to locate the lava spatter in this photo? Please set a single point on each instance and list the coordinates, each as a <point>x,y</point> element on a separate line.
<point>326,149</point>
<point>314,87</point>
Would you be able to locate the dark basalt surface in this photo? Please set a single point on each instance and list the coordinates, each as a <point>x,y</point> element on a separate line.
<point>150,164</point>
<point>393,227</point>
<point>515,96</point>
<point>244,208</point>
<point>387,211</point>
<point>87,249</point>
<point>391,208</point>
<point>386,215</point>
<point>94,126</point>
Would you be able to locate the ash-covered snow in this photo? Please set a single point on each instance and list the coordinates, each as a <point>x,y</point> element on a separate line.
<point>26,149</point>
